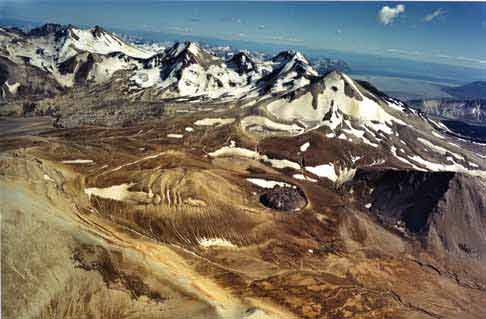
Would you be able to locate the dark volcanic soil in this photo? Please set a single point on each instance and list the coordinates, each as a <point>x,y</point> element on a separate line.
<point>283,198</point>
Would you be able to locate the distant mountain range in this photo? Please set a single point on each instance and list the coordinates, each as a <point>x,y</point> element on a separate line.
<point>467,103</point>
<point>70,56</point>
<point>458,109</point>
<point>474,90</point>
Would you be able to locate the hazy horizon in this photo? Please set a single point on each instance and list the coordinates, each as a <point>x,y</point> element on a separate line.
<point>426,31</point>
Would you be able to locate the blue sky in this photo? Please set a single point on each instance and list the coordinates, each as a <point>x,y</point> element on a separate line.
<point>451,33</point>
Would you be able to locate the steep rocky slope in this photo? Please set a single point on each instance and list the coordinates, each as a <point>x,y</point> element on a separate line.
<point>446,210</point>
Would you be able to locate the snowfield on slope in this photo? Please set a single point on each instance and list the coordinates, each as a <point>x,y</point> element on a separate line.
<point>232,150</point>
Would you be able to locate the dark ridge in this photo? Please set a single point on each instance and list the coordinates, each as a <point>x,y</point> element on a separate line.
<point>185,56</point>
<point>98,31</point>
<point>242,63</point>
<point>351,92</point>
<point>68,66</point>
<point>284,55</point>
<point>408,196</point>
<point>446,211</point>
<point>472,133</point>
<point>3,74</point>
<point>47,29</point>
<point>369,87</point>
<point>376,92</point>
<point>84,69</point>
<point>316,88</point>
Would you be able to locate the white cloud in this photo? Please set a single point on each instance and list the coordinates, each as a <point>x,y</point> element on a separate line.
<point>388,14</point>
<point>437,13</point>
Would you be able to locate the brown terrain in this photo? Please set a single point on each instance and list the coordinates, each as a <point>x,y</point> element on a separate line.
<point>69,255</point>
<point>326,199</point>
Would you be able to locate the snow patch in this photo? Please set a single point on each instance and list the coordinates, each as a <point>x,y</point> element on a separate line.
<point>214,121</point>
<point>338,175</point>
<point>304,147</point>
<point>48,178</point>
<point>455,167</point>
<point>439,149</point>
<point>232,150</point>
<point>175,135</point>
<point>12,88</point>
<point>260,124</point>
<point>324,170</point>
<point>393,150</point>
<point>302,177</point>
<point>116,192</point>
<point>78,161</point>
<point>218,242</point>
<point>265,183</point>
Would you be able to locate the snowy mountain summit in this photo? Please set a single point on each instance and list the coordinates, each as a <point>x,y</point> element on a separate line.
<point>74,56</point>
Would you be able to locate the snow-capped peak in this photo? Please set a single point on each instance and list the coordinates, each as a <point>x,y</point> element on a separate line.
<point>290,71</point>
<point>299,64</point>
<point>182,48</point>
<point>188,53</point>
<point>327,98</point>
<point>284,56</point>
<point>99,41</point>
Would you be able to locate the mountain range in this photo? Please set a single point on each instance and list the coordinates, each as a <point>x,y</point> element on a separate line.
<point>179,183</point>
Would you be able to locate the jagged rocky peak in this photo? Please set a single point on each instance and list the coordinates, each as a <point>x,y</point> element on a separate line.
<point>242,62</point>
<point>98,31</point>
<point>285,56</point>
<point>47,29</point>
<point>188,53</point>
<point>182,48</point>
<point>294,61</point>
<point>154,61</point>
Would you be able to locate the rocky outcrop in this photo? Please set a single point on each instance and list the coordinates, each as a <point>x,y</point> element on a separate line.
<point>21,82</point>
<point>283,198</point>
<point>446,210</point>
